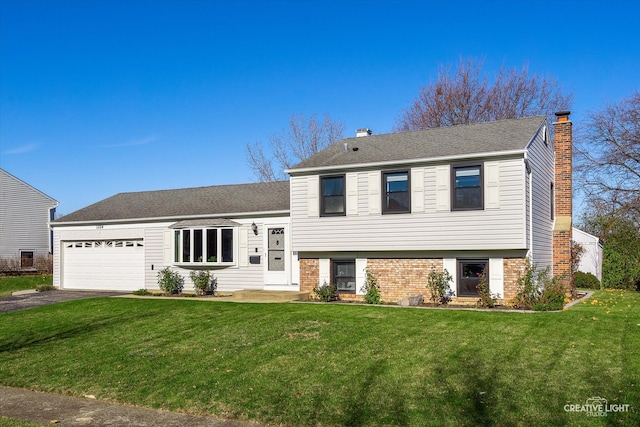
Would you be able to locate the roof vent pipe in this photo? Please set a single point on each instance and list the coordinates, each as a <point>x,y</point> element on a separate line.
<point>363,132</point>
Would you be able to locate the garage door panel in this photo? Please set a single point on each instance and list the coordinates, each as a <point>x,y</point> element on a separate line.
<point>104,265</point>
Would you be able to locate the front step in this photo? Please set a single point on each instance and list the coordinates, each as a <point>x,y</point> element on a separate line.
<point>270,296</point>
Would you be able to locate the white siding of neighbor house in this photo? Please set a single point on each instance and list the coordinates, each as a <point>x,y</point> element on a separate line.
<point>158,248</point>
<point>541,161</point>
<point>501,225</point>
<point>24,218</point>
<point>591,259</point>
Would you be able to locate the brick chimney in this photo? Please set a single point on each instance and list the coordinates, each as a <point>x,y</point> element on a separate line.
<point>563,198</point>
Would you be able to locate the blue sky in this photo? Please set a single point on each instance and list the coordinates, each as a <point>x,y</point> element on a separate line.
<point>102,97</point>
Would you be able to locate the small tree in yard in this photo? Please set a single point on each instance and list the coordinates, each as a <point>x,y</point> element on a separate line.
<point>371,289</point>
<point>203,282</point>
<point>170,282</point>
<point>438,285</point>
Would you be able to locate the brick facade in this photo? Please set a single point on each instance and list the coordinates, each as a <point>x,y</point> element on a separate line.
<point>403,277</point>
<point>563,198</point>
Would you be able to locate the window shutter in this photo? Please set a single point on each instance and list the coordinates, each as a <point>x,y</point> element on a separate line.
<point>443,196</point>
<point>166,246</point>
<point>361,276</point>
<point>324,270</point>
<point>313,186</point>
<point>417,190</point>
<point>243,247</point>
<point>374,192</point>
<point>496,276</point>
<point>492,185</point>
<point>450,264</point>
<point>352,193</point>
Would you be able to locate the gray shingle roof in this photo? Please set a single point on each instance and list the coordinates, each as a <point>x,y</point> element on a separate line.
<point>187,202</point>
<point>461,140</point>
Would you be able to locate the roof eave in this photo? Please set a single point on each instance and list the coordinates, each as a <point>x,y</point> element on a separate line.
<point>171,218</point>
<point>407,161</point>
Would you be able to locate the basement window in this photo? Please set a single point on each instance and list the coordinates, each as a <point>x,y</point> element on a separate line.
<point>343,275</point>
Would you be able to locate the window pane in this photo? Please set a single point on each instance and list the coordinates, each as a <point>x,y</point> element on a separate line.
<point>197,245</point>
<point>333,186</point>
<point>468,176</point>
<point>334,204</point>
<point>227,245</point>
<point>212,245</point>
<point>467,192</point>
<point>468,198</point>
<point>332,196</point>
<point>186,245</point>
<point>344,276</point>
<point>396,187</point>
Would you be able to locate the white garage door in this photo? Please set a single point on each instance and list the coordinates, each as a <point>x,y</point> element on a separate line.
<point>112,265</point>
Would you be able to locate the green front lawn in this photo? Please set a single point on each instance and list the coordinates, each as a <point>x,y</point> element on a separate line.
<point>312,364</point>
<point>10,284</point>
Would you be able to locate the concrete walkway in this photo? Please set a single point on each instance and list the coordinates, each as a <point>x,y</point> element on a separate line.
<point>54,409</point>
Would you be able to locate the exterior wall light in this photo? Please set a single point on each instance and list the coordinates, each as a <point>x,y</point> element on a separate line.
<point>254,227</point>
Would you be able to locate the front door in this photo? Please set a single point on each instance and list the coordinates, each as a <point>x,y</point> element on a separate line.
<point>276,261</point>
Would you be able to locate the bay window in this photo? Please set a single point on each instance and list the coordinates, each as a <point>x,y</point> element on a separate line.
<point>204,246</point>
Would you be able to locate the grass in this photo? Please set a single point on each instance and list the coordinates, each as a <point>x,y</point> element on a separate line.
<point>12,422</point>
<point>10,284</point>
<point>334,365</point>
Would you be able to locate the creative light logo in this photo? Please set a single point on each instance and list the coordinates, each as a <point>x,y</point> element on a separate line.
<point>596,407</point>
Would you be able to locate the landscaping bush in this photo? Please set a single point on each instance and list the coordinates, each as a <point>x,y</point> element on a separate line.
<point>326,292</point>
<point>438,285</point>
<point>203,282</point>
<point>142,292</point>
<point>170,282</point>
<point>371,289</point>
<point>586,280</point>
<point>487,299</point>
<point>536,290</point>
<point>47,287</point>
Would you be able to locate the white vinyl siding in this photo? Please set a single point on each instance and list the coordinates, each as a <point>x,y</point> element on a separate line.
<point>24,218</point>
<point>431,229</point>
<point>313,201</point>
<point>541,162</point>
<point>158,252</point>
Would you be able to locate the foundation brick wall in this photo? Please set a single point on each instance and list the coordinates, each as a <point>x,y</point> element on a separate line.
<point>309,274</point>
<point>513,269</point>
<point>403,277</point>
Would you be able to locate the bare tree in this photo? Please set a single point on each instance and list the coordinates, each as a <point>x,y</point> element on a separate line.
<point>304,138</point>
<point>466,96</point>
<point>608,158</point>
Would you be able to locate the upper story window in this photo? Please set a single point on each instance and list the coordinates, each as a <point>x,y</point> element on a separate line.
<point>332,200</point>
<point>395,187</point>
<point>467,191</point>
<point>204,245</point>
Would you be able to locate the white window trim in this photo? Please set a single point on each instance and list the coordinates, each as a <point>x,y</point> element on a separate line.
<point>204,263</point>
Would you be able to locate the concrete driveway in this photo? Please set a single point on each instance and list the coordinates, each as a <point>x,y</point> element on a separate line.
<point>29,299</point>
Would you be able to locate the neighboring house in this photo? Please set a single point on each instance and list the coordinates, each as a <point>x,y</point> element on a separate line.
<point>591,259</point>
<point>469,199</point>
<point>241,233</point>
<point>25,214</point>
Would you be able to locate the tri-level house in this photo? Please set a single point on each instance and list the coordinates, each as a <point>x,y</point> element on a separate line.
<point>25,214</point>
<point>470,199</point>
